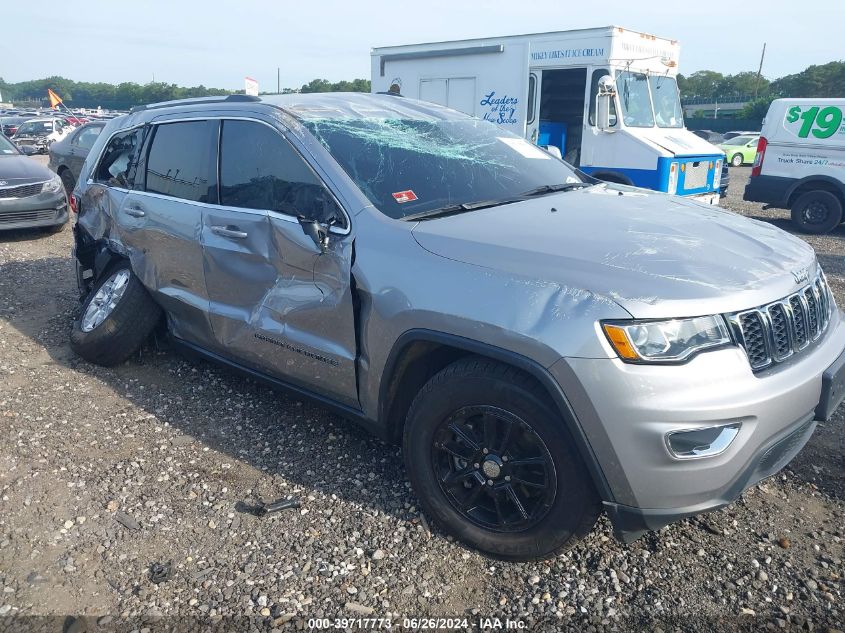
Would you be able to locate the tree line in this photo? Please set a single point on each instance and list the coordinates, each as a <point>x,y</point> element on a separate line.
<point>84,94</point>
<point>824,80</point>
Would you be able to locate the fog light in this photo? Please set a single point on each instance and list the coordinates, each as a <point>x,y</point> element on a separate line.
<point>706,442</point>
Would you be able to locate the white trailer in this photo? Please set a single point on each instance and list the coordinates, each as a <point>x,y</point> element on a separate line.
<point>606,98</point>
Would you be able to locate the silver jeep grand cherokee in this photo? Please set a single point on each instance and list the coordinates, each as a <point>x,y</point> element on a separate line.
<point>544,346</point>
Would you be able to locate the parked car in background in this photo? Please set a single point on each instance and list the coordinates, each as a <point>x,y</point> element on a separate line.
<point>729,135</point>
<point>709,135</point>
<point>740,150</point>
<point>800,163</point>
<point>74,120</point>
<point>68,155</point>
<point>543,345</point>
<point>30,194</point>
<point>10,124</point>
<point>41,133</point>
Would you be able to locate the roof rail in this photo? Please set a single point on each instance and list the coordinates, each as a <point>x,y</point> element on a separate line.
<point>195,101</point>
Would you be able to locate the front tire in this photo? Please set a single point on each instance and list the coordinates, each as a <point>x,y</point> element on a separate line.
<point>116,318</point>
<point>492,462</point>
<point>817,212</point>
<point>736,160</point>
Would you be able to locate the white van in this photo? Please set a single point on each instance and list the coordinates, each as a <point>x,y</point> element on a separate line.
<point>800,163</point>
<point>606,98</point>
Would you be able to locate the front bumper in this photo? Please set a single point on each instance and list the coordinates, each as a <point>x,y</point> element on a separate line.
<point>626,411</point>
<point>44,209</point>
<point>706,198</point>
<point>771,190</point>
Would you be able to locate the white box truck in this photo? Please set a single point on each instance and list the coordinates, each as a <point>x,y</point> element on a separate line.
<point>606,98</point>
<point>800,162</point>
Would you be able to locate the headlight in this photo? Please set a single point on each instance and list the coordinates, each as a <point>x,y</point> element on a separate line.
<point>54,185</point>
<point>665,341</point>
<point>673,179</point>
<point>717,175</point>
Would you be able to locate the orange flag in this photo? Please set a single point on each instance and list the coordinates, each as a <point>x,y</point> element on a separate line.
<point>54,98</point>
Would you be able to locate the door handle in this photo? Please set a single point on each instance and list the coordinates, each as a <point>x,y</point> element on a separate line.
<point>135,211</point>
<point>229,231</point>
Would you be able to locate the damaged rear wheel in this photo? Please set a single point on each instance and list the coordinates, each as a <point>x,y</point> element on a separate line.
<point>116,318</point>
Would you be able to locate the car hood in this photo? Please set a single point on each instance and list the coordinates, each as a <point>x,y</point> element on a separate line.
<point>677,141</point>
<point>653,254</point>
<point>17,169</point>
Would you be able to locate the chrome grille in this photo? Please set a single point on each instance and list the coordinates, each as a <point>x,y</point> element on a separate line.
<point>21,191</point>
<point>774,332</point>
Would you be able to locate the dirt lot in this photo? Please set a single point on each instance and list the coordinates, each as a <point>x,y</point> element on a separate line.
<point>106,471</point>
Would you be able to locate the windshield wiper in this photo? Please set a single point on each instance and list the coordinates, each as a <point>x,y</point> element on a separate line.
<point>454,209</point>
<point>542,190</point>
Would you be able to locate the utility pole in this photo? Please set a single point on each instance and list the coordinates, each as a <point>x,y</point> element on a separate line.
<point>759,71</point>
<point>278,80</point>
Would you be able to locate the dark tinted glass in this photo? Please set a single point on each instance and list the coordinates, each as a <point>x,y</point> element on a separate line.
<point>120,159</point>
<point>178,162</point>
<point>260,170</point>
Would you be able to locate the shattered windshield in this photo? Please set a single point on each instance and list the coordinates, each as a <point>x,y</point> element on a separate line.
<point>632,89</point>
<point>408,166</point>
<point>35,127</point>
<point>667,103</point>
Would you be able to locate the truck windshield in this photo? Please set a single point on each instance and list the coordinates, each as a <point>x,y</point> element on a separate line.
<point>633,91</point>
<point>409,166</point>
<point>667,104</point>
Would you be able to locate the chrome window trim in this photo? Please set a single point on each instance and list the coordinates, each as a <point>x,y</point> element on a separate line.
<point>284,216</point>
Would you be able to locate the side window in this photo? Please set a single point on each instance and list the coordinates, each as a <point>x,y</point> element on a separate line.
<point>259,169</point>
<point>178,163</point>
<point>120,160</point>
<point>85,137</point>
<point>594,92</point>
<point>532,96</point>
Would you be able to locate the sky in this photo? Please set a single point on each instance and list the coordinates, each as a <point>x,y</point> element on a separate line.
<point>189,43</point>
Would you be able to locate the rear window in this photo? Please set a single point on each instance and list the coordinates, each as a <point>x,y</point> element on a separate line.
<point>119,161</point>
<point>179,163</point>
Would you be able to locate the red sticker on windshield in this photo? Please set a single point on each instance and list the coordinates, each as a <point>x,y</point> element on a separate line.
<point>404,196</point>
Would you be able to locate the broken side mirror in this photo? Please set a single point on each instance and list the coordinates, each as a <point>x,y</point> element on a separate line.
<point>316,231</point>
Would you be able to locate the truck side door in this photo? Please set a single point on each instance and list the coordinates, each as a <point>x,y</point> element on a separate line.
<point>278,303</point>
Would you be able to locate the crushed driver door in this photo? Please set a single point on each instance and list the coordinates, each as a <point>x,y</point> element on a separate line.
<point>278,302</point>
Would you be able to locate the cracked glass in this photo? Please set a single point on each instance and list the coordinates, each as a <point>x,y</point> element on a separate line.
<point>409,165</point>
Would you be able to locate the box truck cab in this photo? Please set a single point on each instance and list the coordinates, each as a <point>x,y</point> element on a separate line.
<point>800,163</point>
<point>605,98</point>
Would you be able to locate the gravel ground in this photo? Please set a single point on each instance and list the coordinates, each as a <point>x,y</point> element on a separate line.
<point>106,471</point>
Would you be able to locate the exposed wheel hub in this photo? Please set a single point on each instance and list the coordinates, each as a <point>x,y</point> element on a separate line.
<point>492,467</point>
